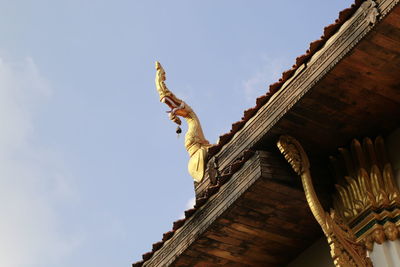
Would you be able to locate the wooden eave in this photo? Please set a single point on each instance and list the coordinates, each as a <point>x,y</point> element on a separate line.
<point>258,218</point>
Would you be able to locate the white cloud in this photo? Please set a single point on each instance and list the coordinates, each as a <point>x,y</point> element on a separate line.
<point>32,179</point>
<point>258,84</point>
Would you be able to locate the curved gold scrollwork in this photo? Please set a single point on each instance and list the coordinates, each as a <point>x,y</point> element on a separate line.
<point>345,251</point>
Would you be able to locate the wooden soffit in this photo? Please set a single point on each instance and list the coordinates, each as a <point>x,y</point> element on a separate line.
<point>258,218</point>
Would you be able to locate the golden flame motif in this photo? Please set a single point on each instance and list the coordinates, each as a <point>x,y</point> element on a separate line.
<point>367,196</point>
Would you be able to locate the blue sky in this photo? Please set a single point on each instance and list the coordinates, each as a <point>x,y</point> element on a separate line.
<point>91,170</point>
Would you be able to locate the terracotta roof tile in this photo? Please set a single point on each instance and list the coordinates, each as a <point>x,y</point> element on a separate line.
<point>287,74</point>
<point>189,213</point>
<point>212,190</point>
<point>300,60</point>
<point>138,264</point>
<point>200,202</point>
<point>177,224</point>
<point>329,30</point>
<point>147,255</point>
<point>249,113</point>
<point>167,235</point>
<point>158,245</point>
<point>237,125</point>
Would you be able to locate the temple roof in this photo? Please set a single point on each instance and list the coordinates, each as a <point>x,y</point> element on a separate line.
<point>358,89</point>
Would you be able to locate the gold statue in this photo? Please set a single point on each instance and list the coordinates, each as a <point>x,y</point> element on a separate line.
<point>195,142</point>
<point>345,250</point>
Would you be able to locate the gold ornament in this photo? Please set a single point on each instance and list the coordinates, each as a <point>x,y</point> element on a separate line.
<point>345,251</point>
<point>367,195</point>
<point>195,142</point>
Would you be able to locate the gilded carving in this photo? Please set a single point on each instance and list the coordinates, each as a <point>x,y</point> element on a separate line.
<point>367,196</point>
<point>345,250</point>
<point>195,142</point>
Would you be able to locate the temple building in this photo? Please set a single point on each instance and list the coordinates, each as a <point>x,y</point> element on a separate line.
<point>310,175</point>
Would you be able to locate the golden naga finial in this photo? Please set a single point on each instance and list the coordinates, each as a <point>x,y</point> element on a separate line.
<point>345,250</point>
<point>195,142</point>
